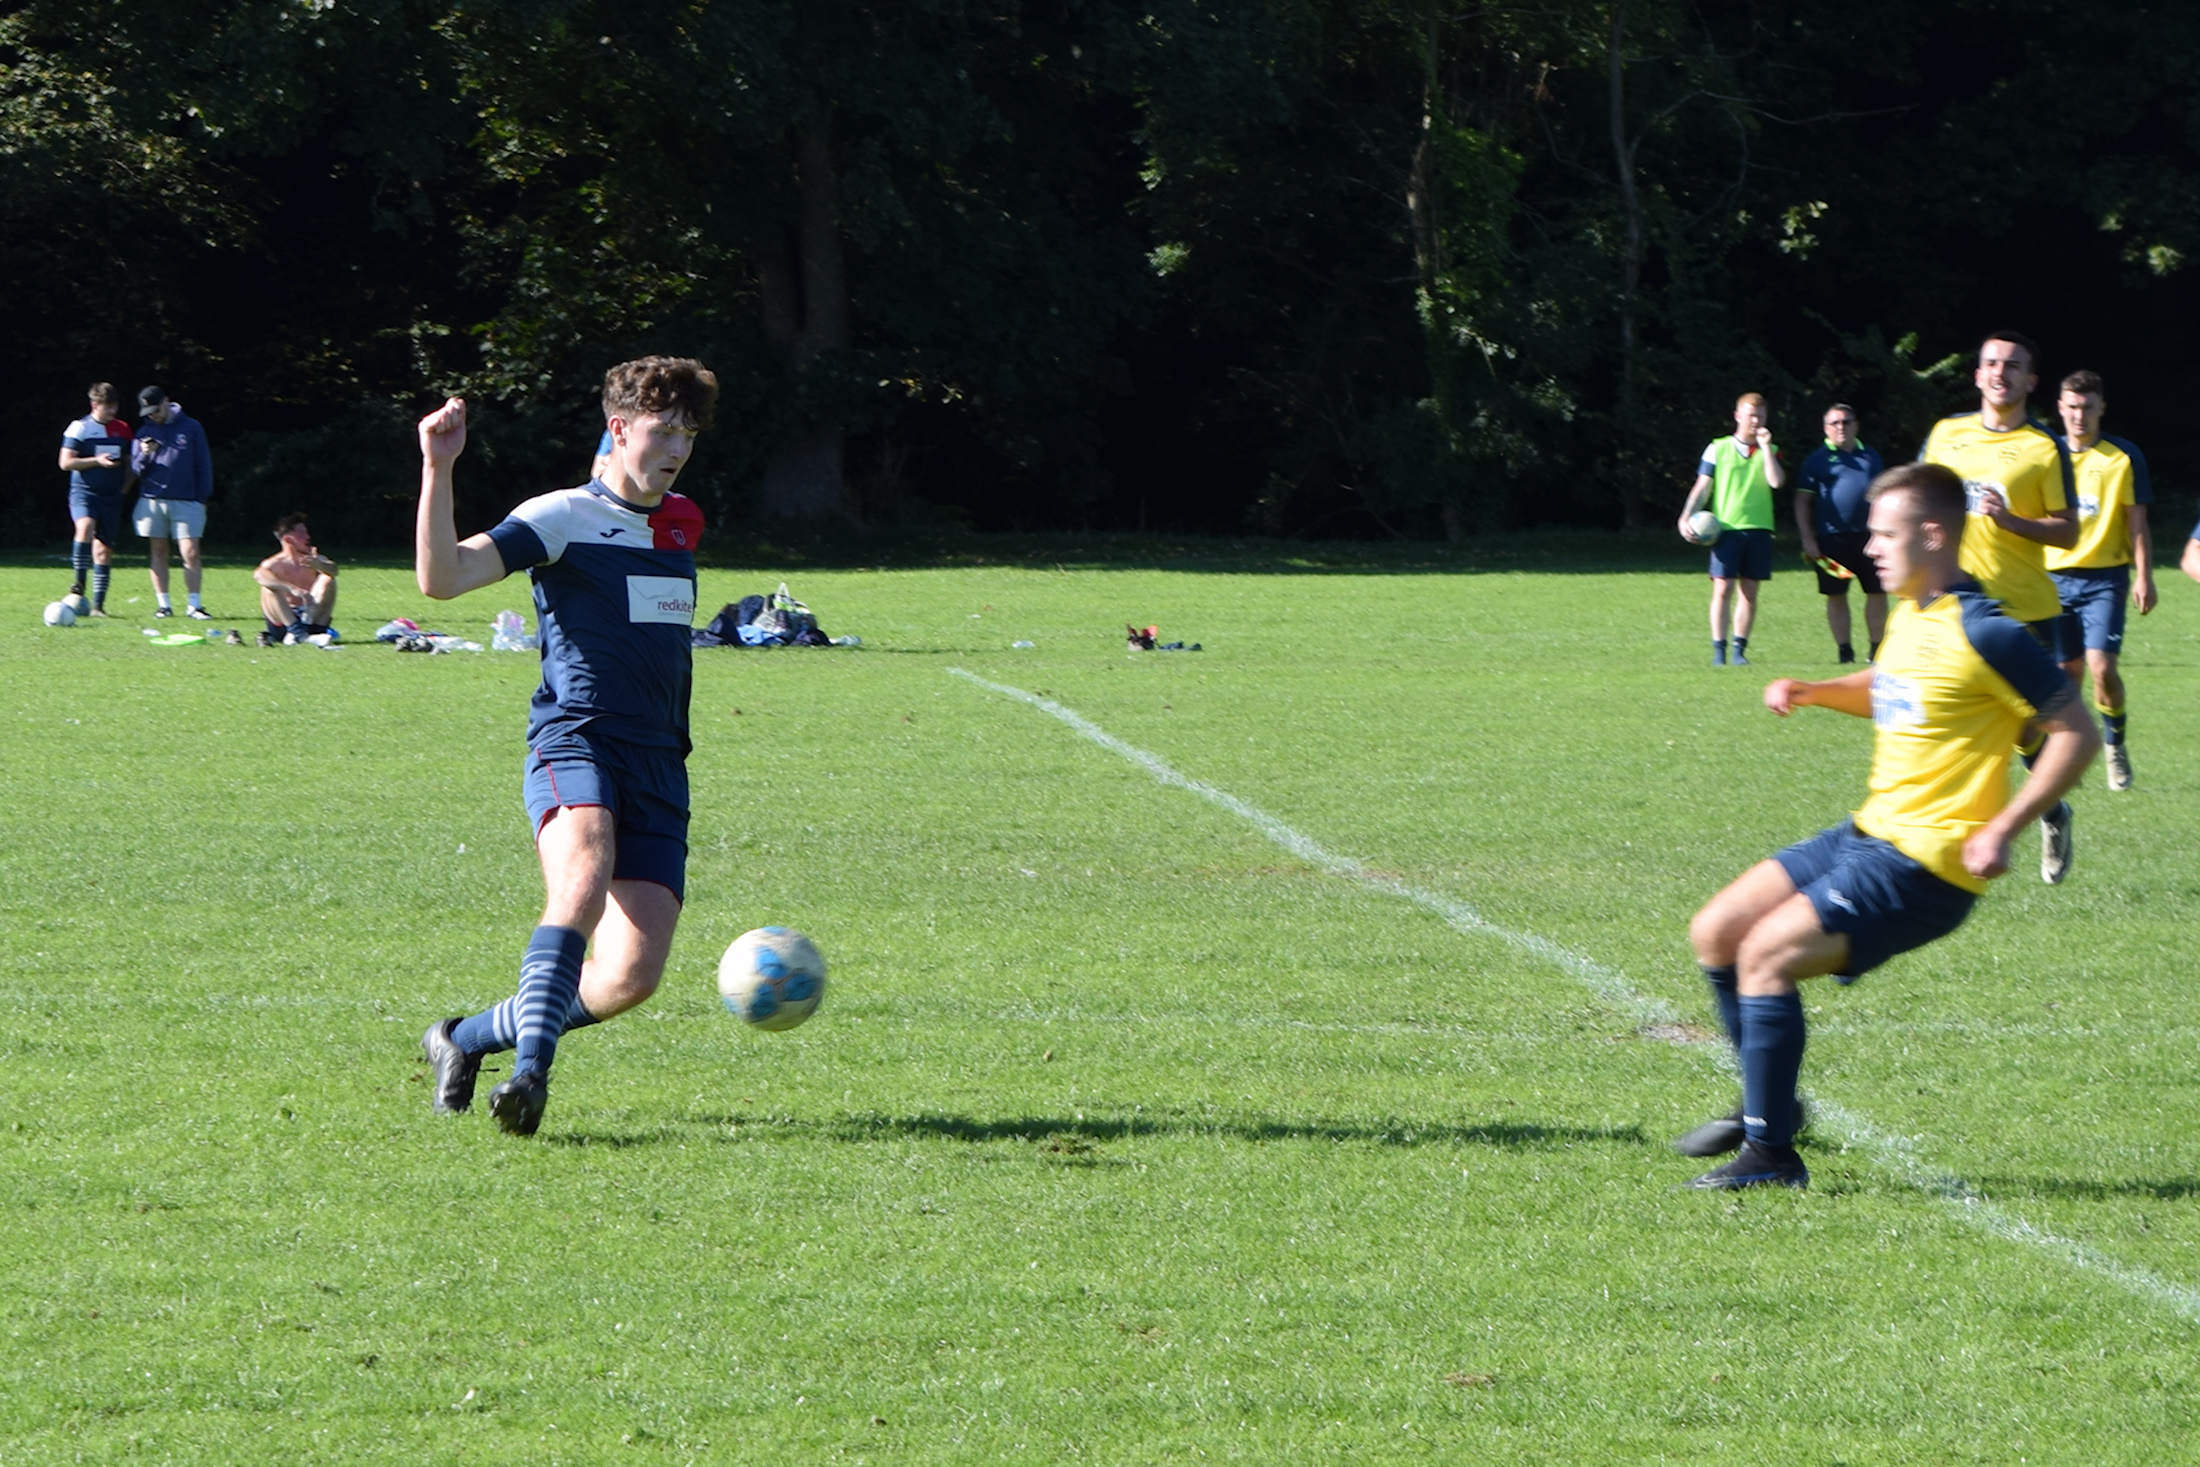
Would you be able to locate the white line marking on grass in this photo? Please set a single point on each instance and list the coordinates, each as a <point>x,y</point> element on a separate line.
<point>1894,1155</point>
<point>1606,984</point>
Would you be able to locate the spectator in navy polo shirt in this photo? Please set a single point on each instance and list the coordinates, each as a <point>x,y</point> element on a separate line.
<point>1830,509</point>
<point>175,479</point>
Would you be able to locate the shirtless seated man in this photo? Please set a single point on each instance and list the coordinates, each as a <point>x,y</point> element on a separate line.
<point>297,585</point>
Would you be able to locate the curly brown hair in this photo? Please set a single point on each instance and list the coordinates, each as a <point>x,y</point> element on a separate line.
<point>666,386</point>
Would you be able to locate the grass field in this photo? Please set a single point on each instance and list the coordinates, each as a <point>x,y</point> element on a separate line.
<point>1127,1133</point>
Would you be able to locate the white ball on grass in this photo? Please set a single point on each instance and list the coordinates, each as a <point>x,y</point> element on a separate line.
<point>773,977</point>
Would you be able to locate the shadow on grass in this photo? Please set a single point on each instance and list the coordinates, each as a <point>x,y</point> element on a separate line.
<point>858,1128</point>
<point>2169,1189</point>
<point>616,1141</point>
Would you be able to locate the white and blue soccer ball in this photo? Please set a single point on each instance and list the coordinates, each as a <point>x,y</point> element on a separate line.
<point>77,604</point>
<point>1705,526</point>
<point>58,614</point>
<point>773,977</point>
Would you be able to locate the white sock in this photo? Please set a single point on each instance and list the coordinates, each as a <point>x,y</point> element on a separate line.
<point>165,603</point>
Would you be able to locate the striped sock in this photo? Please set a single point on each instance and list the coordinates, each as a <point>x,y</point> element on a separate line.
<point>101,575</point>
<point>549,981</point>
<point>80,563</point>
<point>2112,721</point>
<point>494,1030</point>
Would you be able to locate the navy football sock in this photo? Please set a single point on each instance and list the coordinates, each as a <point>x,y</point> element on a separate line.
<point>1771,1051</point>
<point>2112,726</point>
<point>2029,751</point>
<point>1718,649</point>
<point>1741,646</point>
<point>492,1031</point>
<point>80,563</point>
<point>101,575</point>
<point>549,981</point>
<point>1727,1000</point>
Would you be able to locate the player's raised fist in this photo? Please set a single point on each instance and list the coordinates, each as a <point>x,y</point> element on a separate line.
<point>443,432</point>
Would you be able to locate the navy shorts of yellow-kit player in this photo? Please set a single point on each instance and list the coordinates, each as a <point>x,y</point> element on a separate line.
<point>1881,900</point>
<point>645,789</point>
<point>1742,555</point>
<point>2093,609</point>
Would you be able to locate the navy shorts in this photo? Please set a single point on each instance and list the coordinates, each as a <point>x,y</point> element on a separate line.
<point>104,510</point>
<point>1848,551</point>
<point>2093,609</point>
<point>1743,555</point>
<point>646,791</point>
<point>2048,632</point>
<point>1881,900</point>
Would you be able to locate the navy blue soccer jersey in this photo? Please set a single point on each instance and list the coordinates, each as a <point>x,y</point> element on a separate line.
<point>1836,480</point>
<point>88,437</point>
<point>615,597</point>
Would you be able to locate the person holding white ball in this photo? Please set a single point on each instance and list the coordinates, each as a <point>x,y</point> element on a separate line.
<point>1738,475</point>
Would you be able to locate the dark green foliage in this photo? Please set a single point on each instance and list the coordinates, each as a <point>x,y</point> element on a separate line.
<point>1359,267</point>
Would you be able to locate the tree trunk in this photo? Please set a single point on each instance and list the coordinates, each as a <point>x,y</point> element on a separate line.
<point>1430,260</point>
<point>803,285</point>
<point>1623,167</point>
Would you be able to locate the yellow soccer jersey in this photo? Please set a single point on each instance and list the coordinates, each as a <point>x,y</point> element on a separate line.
<point>1953,684</point>
<point>2029,467</point>
<point>2111,477</point>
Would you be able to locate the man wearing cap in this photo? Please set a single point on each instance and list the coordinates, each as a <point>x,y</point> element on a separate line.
<point>175,479</point>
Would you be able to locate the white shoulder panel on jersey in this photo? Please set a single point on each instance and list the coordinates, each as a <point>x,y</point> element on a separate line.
<point>576,515</point>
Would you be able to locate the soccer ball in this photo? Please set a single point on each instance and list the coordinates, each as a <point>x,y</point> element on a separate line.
<point>59,614</point>
<point>77,604</point>
<point>1705,526</point>
<point>773,977</point>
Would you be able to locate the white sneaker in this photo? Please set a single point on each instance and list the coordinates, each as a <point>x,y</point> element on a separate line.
<point>2055,844</point>
<point>2119,767</point>
<point>199,613</point>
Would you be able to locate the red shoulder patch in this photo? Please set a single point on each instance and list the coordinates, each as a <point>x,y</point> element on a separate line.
<point>676,524</point>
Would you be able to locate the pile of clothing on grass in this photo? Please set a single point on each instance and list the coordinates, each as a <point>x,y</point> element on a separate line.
<point>777,620</point>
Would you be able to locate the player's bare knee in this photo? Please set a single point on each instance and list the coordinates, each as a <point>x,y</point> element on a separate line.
<point>1716,932</point>
<point>1771,960</point>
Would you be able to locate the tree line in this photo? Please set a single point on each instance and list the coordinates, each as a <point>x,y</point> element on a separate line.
<point>1406,268</point>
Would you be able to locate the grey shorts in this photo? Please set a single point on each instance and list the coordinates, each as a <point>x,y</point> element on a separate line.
<point>170,519</point>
